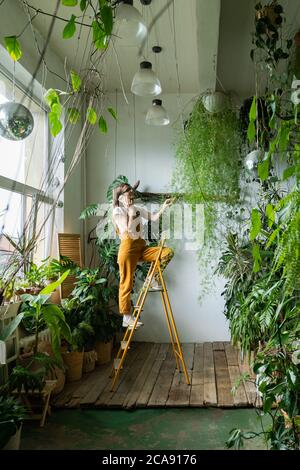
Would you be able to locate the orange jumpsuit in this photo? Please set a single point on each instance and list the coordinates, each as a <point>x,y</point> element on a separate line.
<point>130,252</point>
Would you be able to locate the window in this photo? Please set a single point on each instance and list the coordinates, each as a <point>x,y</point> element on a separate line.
<point>25,195</point>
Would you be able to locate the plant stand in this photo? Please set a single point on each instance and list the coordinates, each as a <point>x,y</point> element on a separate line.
<point>37,402</point>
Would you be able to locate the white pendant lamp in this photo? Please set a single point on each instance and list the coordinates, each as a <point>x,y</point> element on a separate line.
<point>157,115</point>
<point>145,82</point>
<point>129,25</point>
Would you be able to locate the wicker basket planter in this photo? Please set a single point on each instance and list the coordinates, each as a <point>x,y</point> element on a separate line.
<point>103,351</point>
<point>89,361</point>
<point>73,362</point>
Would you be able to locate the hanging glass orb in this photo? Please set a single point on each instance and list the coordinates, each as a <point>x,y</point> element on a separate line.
<point>16,121</point>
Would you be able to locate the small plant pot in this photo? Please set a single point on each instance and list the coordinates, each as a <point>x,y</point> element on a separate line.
<point>14,441</point>
<point>215,102</point>
<point>74,362</point>
<point>89,361</point>
<point>103,351</point>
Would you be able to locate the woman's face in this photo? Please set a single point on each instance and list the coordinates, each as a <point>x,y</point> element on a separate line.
<point>127,198</point>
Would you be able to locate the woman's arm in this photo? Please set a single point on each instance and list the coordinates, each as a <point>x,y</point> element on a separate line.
<point>154,216</point>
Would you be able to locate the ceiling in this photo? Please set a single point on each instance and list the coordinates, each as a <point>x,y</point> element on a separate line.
<point>207,41</point>
<point>187,33</point>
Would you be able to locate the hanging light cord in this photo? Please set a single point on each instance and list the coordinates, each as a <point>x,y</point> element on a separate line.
<point>116,133</point>
<point>134,136</point>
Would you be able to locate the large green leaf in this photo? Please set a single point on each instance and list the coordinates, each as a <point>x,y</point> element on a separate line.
<point>91,115</point>
<point>90,211</point>
<point>107,18</point>
<point>54,285</point>
<point>99,36</point>
<point>11,327</point>
<point>76,81</point>
<point>55,124</point>
<point>70,28</point>
<point>13,47</point>
<point>121,179</point>
<point>51,97</point>
<point>263,169</point>
<point>255,224</point>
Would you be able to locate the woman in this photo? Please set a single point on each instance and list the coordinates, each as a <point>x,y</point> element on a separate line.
<point>127,219</point>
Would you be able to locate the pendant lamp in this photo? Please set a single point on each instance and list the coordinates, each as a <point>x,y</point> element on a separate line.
<point>129,25</point>
<point>157,115</point>
<point>145,82</point>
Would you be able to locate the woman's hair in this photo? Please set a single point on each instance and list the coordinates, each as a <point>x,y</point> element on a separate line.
<point>117,192</point>
<point>123,188</point>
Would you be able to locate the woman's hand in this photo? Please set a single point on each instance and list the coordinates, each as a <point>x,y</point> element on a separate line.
<point>168,202</point>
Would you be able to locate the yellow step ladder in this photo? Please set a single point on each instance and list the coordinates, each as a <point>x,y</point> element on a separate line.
<point>125,343</point>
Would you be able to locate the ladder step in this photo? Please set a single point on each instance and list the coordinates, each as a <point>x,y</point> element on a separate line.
<point>137,306</point>
<point>124,344</point>
<point>117,363</point>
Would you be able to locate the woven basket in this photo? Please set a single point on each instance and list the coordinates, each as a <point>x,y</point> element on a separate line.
<point>73,361</point>
<point>89,361</point>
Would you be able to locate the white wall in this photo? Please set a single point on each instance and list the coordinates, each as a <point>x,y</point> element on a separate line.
<point>74,197</point>
<point>150,158</point>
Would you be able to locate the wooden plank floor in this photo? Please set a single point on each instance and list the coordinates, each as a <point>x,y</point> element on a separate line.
<point>149,378</point>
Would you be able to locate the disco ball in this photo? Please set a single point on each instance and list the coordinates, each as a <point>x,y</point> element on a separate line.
<point>16,121</point>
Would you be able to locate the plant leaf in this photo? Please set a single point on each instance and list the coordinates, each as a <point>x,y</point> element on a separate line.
<point>54,285</point>
<point>89,211</point>
<point>251,132</point>
<point>270,213</point>
<point>256,224</point>
<point>112,112</point>
<point>73,115</point>
<point>263,169</point>
<point>91,115</point>
<point>102,125</point>
<point>107,18</point>
<point>55,124</point>
<point>253,110</point>
<point>51,97</point>
<point>70,28</point>
<point>99,36</point>
<point>13,47</point>
<point>83,5</point>
<point>11,327</point>
<point>76,81</point>
<point>288,172</point>
<point>69,3</point>
<point>256,258</point>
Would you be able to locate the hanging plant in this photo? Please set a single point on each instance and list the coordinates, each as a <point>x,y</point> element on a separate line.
<point>208,172</point>
<point>267,35</point>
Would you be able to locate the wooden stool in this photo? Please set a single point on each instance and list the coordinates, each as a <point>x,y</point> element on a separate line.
<point>44,395</point>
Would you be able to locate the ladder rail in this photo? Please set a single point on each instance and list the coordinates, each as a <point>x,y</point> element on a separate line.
<point>178,354</point>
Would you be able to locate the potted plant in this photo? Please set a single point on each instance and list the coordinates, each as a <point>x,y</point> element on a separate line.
<point>12,414</point>
<point>73,357</point>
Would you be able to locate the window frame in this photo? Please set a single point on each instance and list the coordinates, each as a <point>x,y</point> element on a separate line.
<point>23,189</point>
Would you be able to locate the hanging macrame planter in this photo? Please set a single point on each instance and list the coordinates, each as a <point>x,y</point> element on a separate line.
<point>16,121</point>
<point>215,102</point>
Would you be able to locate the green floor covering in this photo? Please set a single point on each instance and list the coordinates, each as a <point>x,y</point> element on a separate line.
<point>175,429</point>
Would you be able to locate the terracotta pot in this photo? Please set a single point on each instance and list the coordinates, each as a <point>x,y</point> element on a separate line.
<point>55,297</point>
<point>73,361</point>
<point>89,361</point>
<point>103,351</point>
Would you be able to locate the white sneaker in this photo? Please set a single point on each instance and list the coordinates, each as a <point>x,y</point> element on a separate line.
<point>130,322</point>
<point>155,286</point>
